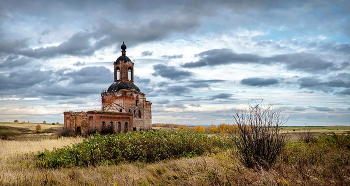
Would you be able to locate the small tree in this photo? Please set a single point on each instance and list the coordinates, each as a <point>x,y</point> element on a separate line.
<point>44,122</point>
<point>37,128</point>
<point>16,121</point>
<point>259,141</point>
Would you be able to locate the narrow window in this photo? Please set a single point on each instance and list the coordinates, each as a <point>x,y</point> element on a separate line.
<point>134,113</point>
<point>119,127</point>
<point>129,74</point>
<point>137,102</point>
<point>139,113</point>
<point>126,127</point>
<point>103,125</point>
<point>118,73</point>
<point>121,110</point>
<point>130,110</point>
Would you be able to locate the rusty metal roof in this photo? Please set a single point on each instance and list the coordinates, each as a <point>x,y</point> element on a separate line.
<point>116,86</point>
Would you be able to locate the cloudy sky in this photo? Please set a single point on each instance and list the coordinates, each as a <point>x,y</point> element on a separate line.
<point>197,61</point>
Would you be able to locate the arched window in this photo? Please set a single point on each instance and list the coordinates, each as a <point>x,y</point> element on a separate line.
<point>130,74</point>
<point>139,113</point>
<point>134,113</point>
<point>130,110</point>
<point>118,73</point>
<point>103,125</point>
<point>119,127</point>
<point>121,110</point>
<point>112,127</point>
<point>126,127</point>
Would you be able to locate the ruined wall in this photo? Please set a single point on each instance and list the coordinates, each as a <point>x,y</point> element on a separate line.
<point>91,121</point>
<point>129,101</point>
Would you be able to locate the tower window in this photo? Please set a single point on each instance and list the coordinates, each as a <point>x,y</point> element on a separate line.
<point>130,74</point>
<point>139,113</point>
<point>118,73</point>
<point>136,102</point>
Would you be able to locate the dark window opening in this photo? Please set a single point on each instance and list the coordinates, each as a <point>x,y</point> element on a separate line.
<point>134,128</point>
<point>137,102</point>
<point>139,113</point>
<point>126,127</point>
<point>78,130</point>
<point>121,110</point>
<point>119,127</point>
<point>134,113</point>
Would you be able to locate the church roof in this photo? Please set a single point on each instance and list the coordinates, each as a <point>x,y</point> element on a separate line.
<point>116,86</point>
<point>123,58</point>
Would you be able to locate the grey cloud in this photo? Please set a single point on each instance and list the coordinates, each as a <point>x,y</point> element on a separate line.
<point>146,53</point>
<point>344,92</point>
<point>23,79</point>
<point>91,75</point>
<point>14,61</point>
<point>176,105</point>
<point>170,72</point>
<point>72,102</point>
<point>195,105</point>
<point>221,96</point>
<point>337,83</point>
<point>314,83</point>
<point>296,61</point>
<point>302,61</point>
<point>299,108</point>
<point>79,63</point>
<point>163,101</point>
<point>173,56</point>
<point>259,81</point>
<point>178,90</point>
<point>322,109</point>
<point>224,56</point>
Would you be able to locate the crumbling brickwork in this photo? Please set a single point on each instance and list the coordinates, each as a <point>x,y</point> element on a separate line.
<point>124,106</point>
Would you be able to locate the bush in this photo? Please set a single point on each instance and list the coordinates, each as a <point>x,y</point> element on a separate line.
<point>259,141</point>
<point>44,122</point>
<point>16,121</point>
<point>66,132</point>
<point>144,146</point>
<point>37,128</point>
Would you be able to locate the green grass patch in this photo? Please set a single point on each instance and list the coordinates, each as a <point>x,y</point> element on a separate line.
<point>142,146</point>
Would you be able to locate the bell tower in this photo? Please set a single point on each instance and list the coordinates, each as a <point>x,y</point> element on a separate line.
<point>123,68</point>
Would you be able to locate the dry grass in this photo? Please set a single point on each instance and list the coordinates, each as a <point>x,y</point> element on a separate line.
<point>11,148</point>
<point>31,126</point>
<point>17,168</point>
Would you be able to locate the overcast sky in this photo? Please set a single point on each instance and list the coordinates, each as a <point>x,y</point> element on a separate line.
<point>197,61</point>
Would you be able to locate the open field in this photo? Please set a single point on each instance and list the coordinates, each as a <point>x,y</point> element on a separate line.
<point>326,161</point>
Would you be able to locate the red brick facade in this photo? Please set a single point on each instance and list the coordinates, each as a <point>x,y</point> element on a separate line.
<point>124,106</point>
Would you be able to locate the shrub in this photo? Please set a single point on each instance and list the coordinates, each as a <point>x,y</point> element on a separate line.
<point>16,121</point>
<point>37,128</point>
<point>44,122</point>
<point>144,146</point>
<point>66,132</point>
<point>259,141</point>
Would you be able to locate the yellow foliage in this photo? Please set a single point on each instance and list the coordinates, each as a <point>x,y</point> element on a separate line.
<point>199,129</point>
<point>213,129</point>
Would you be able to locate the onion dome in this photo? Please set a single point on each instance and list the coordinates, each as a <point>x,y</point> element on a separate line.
<point>116,86</point>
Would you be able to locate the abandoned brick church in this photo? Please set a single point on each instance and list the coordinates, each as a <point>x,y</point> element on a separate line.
<point>124,106</point>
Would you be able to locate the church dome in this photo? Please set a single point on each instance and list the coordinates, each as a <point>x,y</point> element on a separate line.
<point>123,58</point>
<point>116,86</point>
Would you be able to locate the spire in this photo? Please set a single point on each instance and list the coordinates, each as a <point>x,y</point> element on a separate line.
<point>123,47</point>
